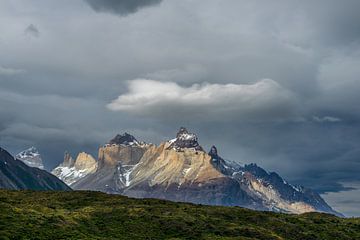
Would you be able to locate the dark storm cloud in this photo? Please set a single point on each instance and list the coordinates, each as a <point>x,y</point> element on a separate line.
<point>56,92</point>
<point>121,7</point>
<point>338,23</point>
<point>32,31</point>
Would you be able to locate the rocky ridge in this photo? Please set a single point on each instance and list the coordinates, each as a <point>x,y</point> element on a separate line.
<point>71,171</point>
<point>16,175</point>
<point>180,170</point>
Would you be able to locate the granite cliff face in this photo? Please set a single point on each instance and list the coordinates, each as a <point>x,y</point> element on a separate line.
<point>180,170</point>
<point>71,171</point>
<point>14,174</point>
<point>116,161</point>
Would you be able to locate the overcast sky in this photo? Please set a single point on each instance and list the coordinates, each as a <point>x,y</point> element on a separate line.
<point>271,82</point>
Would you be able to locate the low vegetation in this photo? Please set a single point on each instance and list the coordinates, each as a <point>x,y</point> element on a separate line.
<point>94,215</point>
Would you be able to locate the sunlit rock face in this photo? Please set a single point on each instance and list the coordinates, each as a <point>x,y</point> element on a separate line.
<point>116,160</point>
<point>180,170</point>
<point>71,171</point>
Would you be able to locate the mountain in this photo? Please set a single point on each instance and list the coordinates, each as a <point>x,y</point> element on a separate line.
<point>31,157</point>
<point>95,215</point>
<point>125,139</point>
<point>71,171</point>
<point>14,174</point>
<point>116,161</point>
<point>180,170</point>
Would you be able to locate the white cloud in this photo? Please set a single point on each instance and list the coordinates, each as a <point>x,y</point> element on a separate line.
<point>10,71</point>
<point>326,119</point>
<point>263,100</point>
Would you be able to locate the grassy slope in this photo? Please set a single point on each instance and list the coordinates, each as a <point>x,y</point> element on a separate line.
<point>93,215</point>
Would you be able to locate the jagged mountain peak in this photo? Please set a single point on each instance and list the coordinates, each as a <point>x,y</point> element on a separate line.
<point>31,157</point>
<point>225,167</point>
<point>185,139</point>
<point>182,131</point>
<point>30,152</point>
<point>68,159</point>
<point>124,139</point>
<point>72,170</point>
<point>213,152</point>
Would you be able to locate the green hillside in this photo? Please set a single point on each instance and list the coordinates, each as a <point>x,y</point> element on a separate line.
<point>93,215</point>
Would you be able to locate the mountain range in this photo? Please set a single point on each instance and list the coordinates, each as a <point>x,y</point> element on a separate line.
<point>181,170</point>
<point>14,174</point>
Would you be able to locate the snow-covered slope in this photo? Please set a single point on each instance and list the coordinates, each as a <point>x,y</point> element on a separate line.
<point>31,157</point>
<point>71,171</point>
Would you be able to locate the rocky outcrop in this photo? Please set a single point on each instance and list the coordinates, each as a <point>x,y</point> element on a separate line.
<point>220,164</point>
<point>112,155</point>
<point>68,160</point>
<point>14,174</point>
<point>71,171</point>
<point>116,161</point>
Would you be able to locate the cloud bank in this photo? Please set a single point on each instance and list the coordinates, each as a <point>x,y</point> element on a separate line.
<point>265,99</point>
<point>121,7</point>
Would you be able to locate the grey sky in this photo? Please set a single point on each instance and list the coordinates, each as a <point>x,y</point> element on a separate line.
<point>272,82</point>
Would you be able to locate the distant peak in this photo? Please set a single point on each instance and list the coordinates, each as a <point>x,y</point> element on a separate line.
<point>184,134</point>
<point>182,131</point>
<point>31,157</point>
<point>68,160</point>
<point>124,139</point>
<point>185,139</point>
<point>30,152</point>
<point>213,152</point>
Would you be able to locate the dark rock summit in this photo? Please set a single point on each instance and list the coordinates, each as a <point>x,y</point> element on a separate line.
<point>185,139</point>
<point>124,139</point>
<point>213,152</point>
<point>220,164</point>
